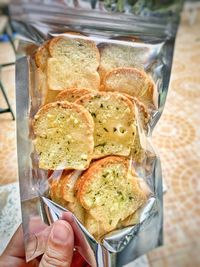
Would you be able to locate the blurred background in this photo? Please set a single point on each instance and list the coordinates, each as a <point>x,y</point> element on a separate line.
<point>177,137</point>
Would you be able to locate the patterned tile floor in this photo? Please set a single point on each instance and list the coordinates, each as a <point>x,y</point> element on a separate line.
<point>8,154</point>
<point>178,138</point>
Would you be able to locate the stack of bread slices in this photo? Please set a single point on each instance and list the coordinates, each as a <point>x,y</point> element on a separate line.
<point>86,130</point>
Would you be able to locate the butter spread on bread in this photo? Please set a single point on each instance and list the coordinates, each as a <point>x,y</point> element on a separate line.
<point>64,136</point>
<point>114,122</point>
<point>109,191</point>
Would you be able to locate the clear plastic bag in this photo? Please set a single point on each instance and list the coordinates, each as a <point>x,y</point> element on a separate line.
<point>136,54</point>
<point>169,9</point>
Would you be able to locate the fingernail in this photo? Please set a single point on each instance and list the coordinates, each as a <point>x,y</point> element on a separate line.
<point>60,232</point>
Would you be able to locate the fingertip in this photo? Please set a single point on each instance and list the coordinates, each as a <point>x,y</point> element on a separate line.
<point>60,246</point>
<point>62,232</point>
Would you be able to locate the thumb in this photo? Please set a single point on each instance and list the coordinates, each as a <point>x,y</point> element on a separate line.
<point>60,245</point>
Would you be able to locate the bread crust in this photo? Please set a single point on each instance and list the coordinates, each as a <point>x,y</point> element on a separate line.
<point>72,94</point>
<point>42,55</point>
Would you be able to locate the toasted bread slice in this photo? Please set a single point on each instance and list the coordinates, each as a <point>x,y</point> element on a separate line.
<point>42,55</point>
<point>55,193</point>
<point>41,58</point>
<point>142,120</point>
<point>137,152</point>
<point>64,136</point>
<point>94,226</point>
<point>110,192</point>
<point>68,186</point>
<point>41,83</point>
<point>130,220</point>
<point>62,74</point>
<point>72,94</point>
<point>62,192</point>
<point>142,111</point>
<point>46,95</point>
<point>117,55</point>
<point>131,81</point>
<point>114,119</point>
<point>67,191</point>
<point>80,52</point>
<point>55,186</point>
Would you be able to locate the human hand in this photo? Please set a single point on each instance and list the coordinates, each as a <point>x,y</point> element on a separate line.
<point>58,253</point>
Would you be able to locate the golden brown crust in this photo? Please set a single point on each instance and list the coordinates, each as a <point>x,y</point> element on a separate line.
<point>97,94</point>
<point>41,55</point>
<point>68,186</point>
<point>55,192</point>
<point>72,94</point>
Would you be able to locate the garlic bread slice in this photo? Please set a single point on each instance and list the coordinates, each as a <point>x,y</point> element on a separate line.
<point>119,55</point>
<point>62,192</point>
<point>114,120</point>
<point>63,74</point>
<point>131,81</point>
<point>110,192</point>
<point>94,227</point>
<point>64,136</point>
<point>79,51</point>
<point>42,55</point>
